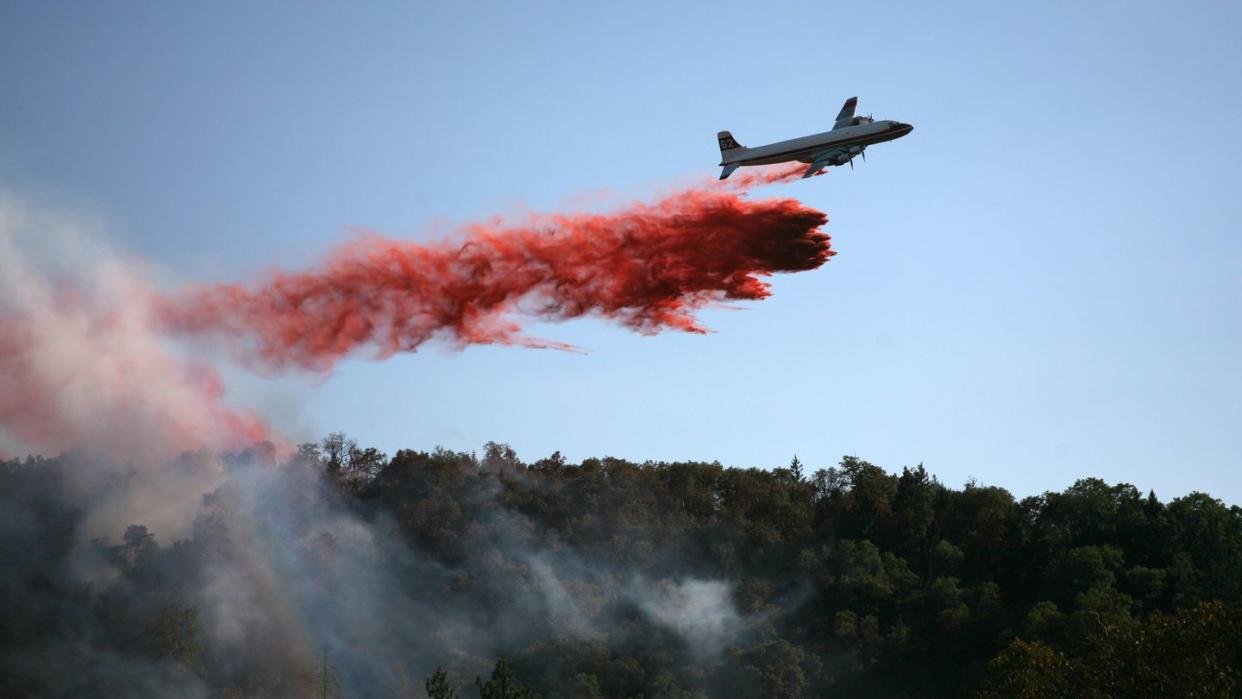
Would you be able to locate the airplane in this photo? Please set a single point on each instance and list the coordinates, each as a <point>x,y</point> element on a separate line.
<point>848,138</point>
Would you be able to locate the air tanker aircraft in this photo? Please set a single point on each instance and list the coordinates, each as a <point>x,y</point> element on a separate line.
<point>849,137</point>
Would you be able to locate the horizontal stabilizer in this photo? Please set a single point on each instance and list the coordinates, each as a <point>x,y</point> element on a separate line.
<point>728,170</point>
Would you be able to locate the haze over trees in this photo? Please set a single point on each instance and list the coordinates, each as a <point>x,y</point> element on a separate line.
<point>345,572</point>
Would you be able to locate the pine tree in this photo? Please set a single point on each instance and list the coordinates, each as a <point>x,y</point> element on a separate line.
<point>503,684</point>
<point>438,687</point>
<point>795,468</point>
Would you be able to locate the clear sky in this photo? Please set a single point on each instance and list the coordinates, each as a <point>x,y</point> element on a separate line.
<point>1042,282</point>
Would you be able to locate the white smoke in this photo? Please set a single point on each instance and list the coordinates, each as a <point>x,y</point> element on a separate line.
<point>701,611</point>
<point>276,563</point>
<point>83,365</point>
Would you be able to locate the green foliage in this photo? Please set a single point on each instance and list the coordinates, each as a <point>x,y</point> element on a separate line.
<point>438,686</point>
<point>849,582</point>
<point>588,687</point>
<point>503,684</point>
<point>1027,670</point>
<point>174,633</point>
<point>775,669</point>
<point>1193,652</point>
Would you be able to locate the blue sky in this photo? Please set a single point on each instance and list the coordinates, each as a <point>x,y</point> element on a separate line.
<point>1040,283</point>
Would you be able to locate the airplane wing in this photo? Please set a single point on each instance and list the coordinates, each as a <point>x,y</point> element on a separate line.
<point>833,156</point>
<point>846,114</point>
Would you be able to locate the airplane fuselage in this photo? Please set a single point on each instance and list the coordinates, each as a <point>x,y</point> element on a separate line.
<point>805,149</point>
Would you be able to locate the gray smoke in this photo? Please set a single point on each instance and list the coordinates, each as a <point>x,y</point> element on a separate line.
<point>161,556</point>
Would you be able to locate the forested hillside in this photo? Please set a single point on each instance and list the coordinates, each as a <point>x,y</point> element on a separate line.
<point>341,571</point>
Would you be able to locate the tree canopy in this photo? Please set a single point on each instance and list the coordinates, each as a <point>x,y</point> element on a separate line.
<point>609,578</point>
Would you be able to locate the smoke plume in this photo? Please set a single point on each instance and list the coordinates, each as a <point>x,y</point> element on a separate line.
<point>272,560</point>
<point>81,363</point>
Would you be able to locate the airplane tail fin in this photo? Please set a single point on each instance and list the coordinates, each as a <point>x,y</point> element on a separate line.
<point>727,142</point>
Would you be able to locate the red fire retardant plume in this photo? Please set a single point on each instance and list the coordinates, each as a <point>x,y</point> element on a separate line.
<point>647,267</point>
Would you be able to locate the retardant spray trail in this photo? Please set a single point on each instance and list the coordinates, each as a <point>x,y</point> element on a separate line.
<point>648,267</point>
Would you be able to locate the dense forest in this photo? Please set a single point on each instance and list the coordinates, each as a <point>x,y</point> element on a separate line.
<point>339,571</point>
